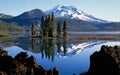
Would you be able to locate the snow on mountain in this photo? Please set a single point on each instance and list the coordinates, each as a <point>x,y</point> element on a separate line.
<point>73,50</point>
<point>72,13</point>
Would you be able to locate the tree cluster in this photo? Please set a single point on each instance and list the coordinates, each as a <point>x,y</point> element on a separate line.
<point>48,29</point>
<point>59,29</point>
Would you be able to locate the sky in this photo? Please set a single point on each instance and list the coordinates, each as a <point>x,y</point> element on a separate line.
<point>103,9</point>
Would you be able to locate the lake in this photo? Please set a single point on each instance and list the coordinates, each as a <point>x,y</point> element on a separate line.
<point>69,56</point>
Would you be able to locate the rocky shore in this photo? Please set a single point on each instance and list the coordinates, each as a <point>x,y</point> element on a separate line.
<point>22,65</point>
<point>105,62</point>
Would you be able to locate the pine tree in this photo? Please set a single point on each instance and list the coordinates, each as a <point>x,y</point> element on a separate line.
<point>53,24</point>
<point>41,31</point>
<point>47,26</point>
<point>45,32</point>
<point>65,29</point>
<point>42,26</point>
<point>59,29</point>
<point>33,30</point>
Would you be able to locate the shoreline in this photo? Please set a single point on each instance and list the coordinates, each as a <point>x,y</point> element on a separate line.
<point>93,32</point>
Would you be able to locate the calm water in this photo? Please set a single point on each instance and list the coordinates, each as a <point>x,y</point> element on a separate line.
<point>69,56</point>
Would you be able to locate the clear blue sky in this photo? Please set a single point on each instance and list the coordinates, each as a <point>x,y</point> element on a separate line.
<point>104,9</point>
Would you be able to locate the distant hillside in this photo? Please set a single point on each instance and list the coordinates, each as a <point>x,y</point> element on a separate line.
<point>80,25</point>
<point>26,18</point>
<point>8,27</point>
<point>3,16</point>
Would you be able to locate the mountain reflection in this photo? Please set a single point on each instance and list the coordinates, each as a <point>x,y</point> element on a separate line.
<point>48,47</point>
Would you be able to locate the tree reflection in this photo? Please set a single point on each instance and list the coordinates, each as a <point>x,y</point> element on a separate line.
<point>47,47</point>
<point>35,45</point>
<point>61,43</point>
<point>58,45</point>
<point>64,46</point>
<point>33,42</point>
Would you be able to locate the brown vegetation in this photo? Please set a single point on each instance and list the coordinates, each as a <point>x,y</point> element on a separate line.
<point>95,38</point>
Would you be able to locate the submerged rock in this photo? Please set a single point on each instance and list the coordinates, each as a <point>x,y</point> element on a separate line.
<point>22,65</point>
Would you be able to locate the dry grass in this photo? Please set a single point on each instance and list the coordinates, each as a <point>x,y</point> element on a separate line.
<point>96,38</point>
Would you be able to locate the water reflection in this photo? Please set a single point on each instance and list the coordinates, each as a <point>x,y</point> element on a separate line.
<point>59,44</point>
<point>64,46</point>
<point>47,47</point>
<point>33,42</point>
<point>51,52</point>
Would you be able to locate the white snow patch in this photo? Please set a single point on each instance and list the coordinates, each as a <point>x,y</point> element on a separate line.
<point>72,13</point>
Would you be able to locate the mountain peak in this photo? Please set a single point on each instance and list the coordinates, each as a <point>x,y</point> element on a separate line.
<point>72,13</point>
<point>65,6</point>
<point>35,13</point>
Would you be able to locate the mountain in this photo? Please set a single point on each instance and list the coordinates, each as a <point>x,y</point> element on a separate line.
<point>3,16</point>
<point>72,12</point>
<point>36,13</point>
<point>76,19</point>
<point>26,18</point>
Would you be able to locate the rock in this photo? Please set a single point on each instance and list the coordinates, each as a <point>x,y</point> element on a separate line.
<point>49,72</point>
<point>22,65</point>
<point>2,52</point>
<point>55,71</point>
<point>105,62</point>
<point>3,73</point>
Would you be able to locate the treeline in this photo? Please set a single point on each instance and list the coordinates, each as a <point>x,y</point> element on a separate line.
<point>8,27</point>
<point>48,27</point>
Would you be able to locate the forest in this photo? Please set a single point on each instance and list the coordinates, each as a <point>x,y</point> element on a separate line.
<point>48,28</point>
<point>9,27</point>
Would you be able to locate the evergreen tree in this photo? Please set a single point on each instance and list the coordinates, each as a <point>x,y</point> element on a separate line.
<point>65,29</point>
<point>59,30</point>
<point>42,23</point>
<point>47,26</point>
<point>45,32</point>
<point>53,24</point>
<point>42,26</point>
<point>50,28</point>
<point>33,30</point>
<point>41,31</point>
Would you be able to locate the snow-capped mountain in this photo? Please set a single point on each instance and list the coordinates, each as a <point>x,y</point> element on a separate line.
<point>73,50</point>
<point>72,13</point>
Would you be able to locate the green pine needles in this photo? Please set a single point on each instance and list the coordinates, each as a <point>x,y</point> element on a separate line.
<point>48,29</point>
